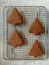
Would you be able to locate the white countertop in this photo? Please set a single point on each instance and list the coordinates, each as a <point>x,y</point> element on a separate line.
<point>4,3</point>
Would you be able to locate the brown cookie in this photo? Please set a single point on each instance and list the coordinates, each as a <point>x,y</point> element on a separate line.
<point>14,18</point>
<point>36,27</point>
<point>35,50</point>
<point>15,39</point>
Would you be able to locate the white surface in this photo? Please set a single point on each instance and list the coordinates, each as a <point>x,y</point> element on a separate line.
<point>4,3</point>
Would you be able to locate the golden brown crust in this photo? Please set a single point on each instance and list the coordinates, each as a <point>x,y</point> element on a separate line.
<point>36,27</point>
<point>15,39</point>
<point>14,18</point>
<point>35,50</point>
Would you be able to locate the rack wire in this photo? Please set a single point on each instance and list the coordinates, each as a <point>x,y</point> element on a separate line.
<point>28,14</point>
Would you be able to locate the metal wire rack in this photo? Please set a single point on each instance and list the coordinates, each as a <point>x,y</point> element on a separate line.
<point>28,14</point>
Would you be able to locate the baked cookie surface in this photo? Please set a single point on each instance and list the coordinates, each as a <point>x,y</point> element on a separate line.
<point>14,18</point>
<point>36,27</point>
<point>15,39</point>
<point>35,50</point>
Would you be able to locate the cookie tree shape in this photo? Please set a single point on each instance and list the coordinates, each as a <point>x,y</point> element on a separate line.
<point>14,17</point>
<point>35,50</point>
<point>36,27</point>
<point>15,39</point>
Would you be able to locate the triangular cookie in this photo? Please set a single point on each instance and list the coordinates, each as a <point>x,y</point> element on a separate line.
<point>36,27</point>
<point>15,39</point>
<point>14,17</point>
<point>35,50</point>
